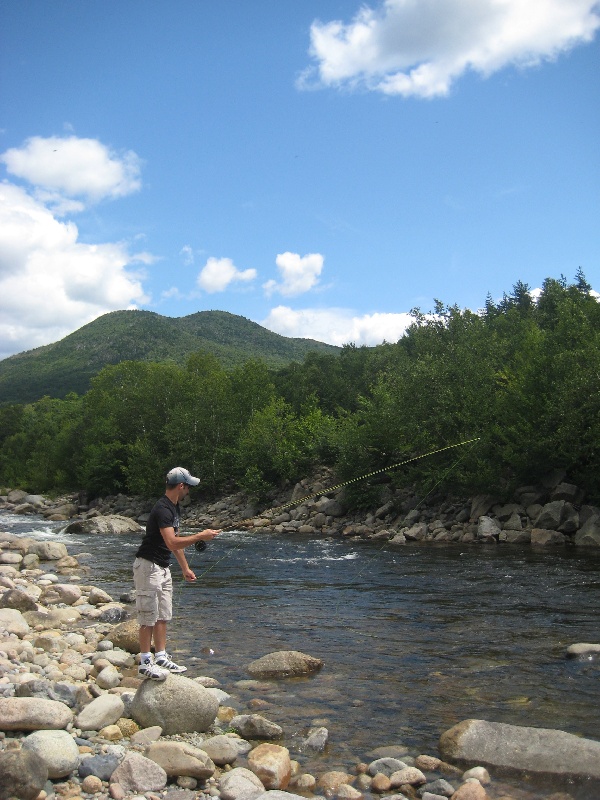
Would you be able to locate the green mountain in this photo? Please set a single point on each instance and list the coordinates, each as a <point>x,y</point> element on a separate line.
<point>67,366</point>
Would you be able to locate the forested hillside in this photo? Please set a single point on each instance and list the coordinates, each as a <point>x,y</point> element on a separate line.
<point>68,365</point>
<point>523,376</point>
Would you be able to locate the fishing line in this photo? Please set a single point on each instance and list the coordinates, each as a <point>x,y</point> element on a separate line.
<point>331,489</point>
<point>201,545</point>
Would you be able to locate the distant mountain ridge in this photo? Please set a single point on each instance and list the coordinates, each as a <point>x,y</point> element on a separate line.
<point>69,364</point>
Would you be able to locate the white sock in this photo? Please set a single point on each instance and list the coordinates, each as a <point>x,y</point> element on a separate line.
<point>145,658</point>
<point>161,653</point>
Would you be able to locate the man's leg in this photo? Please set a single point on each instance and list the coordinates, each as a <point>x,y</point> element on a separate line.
<point>160,636</point>
<point>145,637</point>
<point>145,580</point>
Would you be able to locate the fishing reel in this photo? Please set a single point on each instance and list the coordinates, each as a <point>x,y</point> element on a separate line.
<point>200,545</point>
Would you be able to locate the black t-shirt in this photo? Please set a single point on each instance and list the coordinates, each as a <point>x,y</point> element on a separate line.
<point>165,514</point>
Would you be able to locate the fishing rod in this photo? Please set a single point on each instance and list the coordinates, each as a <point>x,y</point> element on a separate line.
<point>201,545</point>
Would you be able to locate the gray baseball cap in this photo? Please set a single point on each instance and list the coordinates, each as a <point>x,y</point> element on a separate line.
<point>181,475</point>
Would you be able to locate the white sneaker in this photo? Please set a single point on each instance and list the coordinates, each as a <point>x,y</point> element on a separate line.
<point>148,669</point>
<point>165,662</point>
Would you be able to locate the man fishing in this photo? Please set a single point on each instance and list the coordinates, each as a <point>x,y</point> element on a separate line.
<point>152,574</point>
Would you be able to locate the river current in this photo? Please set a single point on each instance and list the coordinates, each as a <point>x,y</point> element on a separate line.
<point>414,638</point>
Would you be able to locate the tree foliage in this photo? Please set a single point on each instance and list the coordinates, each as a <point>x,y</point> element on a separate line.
<point>523,375</point>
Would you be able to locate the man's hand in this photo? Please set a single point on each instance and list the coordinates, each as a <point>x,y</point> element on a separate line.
<point>188,574</point>
<point>207,535</point>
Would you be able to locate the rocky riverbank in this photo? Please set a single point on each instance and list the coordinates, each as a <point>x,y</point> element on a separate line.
<point>553,513</point>
<point>77,722</point>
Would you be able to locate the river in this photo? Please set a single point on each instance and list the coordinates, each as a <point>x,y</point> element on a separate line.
<point>414,638</point>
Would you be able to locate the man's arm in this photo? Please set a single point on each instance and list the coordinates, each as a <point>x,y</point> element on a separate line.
<point>188,574</point>
<point>176,543</point>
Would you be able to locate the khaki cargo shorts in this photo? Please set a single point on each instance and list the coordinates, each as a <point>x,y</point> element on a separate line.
<point>153,592</point>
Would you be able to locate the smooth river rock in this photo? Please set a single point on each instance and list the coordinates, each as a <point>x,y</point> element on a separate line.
<point>178,705</point>
<point>32,714</point>
<point>533,750</point>
<point>284,664</point>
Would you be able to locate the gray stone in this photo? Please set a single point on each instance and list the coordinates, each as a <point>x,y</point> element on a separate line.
<point>416,532</point>
<point>32,714</point>
<point>488,528</point>
<point>240,784</point>
<point>284,664</point>
<point>386,766</point>
<point>102,766</point>
<point>57,749</point>
<point>112,524</point>
<point>481,504</point>
<point>17,599</point>
<point>104,710</point>
<point>440,787</point>
<point>278,794</point>
<point>22,775</point>
<point>221,749</point>
<point>546,538</point>
<point>178,705</point>
<point>583,651</point>
<point>139,774</point>
<point>515,537</point>
<point>540,751</point>
<point>179,758</point>
<point>13,621</point>
<point>551,515</point>
<point>253,726</point>
<point>317,739</point>
<point>589,534</point>
<point>49,551</point>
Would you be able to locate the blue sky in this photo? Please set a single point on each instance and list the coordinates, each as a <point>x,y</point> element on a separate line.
<point>319,167</point>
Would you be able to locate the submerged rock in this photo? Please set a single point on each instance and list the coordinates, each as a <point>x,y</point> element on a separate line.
<point>284,664</point>
<point>542,751</point>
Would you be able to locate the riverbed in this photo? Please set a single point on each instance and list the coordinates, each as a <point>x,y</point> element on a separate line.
<point>414,638</point>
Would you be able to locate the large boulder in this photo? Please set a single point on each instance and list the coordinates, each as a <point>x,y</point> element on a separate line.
<point>541,751</point>
<point>177,705</point>
<point>284,664</point>
<point>32,714</point>
<point>111,524</point>
<point>57,749</point>
<point>22,775</point>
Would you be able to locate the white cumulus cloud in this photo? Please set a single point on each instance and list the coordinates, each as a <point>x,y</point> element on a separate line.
<point>69,172</point>
<point>218,273</point>
<point>420,47</point>
<point>337,326</point>
<point>298,274</point>
<point>50,282</point>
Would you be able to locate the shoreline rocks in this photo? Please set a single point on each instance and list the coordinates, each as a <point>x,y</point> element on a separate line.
<point>550,514</point>
<point>71,698</point>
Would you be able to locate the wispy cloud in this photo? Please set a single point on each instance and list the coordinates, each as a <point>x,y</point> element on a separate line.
<point>420,47</point>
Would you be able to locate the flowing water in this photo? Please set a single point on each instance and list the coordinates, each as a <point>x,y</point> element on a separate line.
<point>414,638</point>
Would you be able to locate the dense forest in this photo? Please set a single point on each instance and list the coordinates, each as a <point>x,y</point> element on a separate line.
<point>523,375</point>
